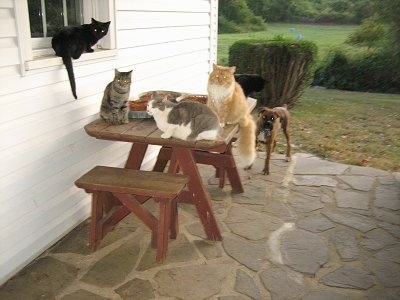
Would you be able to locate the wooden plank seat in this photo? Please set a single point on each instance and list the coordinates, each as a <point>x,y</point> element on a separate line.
<point>116,192</point>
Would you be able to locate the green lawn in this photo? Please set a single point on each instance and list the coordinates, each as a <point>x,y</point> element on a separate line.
<point>350,127</point>
<point>324,36</point>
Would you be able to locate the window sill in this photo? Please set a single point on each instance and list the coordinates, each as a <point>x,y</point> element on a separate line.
<point>48,61</point>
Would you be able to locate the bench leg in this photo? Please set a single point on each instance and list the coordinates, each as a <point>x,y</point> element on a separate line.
<point>220,173</point>
<point>96,225</point>
<point>174,230</point>
<point>163,226</point>
<point>146,217</point>
<point>106,213</point>
<point>159,227</point>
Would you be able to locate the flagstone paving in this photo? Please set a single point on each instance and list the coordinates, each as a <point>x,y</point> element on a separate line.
<point>312,229</point>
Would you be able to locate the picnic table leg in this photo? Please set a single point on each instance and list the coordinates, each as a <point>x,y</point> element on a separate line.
<point>135,159</point>
<point>233,173</point>
<point>225,165</point>
<point>188,166</point>
<point>136,156</point>
<point>173,168</point>
<point>162,159</point>
<point>220,174</point>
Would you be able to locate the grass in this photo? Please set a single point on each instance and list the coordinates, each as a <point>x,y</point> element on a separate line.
<point>324,36</point>
<point>349,127</point>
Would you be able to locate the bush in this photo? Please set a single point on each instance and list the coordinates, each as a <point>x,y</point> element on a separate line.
<point>372,72</point>
<point>285,64</point>
<point>334,73</point>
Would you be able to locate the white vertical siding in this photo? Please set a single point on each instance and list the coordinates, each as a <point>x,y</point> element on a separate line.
<point>8,35</point>
<point>43,147</point>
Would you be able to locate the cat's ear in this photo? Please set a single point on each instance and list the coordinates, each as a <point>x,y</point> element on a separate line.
<point>232,69</point>
<point>93,21</point>
<point>107,24</point>
<point>215,66</point>
<point>116,71</point>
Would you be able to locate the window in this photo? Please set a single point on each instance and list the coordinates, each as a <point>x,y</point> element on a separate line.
<point>46,17</point>
<point>38,20</point>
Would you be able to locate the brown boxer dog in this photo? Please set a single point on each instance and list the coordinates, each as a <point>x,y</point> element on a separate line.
<point>269,122</point>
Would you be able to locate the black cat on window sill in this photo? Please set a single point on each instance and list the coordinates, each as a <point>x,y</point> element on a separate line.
<point>70,42</point>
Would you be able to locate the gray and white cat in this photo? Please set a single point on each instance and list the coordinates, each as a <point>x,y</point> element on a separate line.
<point>114,106</point>
<point>184,120</point>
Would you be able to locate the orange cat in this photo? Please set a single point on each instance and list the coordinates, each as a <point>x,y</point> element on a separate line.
<point>226,98</point>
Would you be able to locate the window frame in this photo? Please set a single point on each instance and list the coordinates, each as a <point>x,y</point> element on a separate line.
<point>40,44</point>
<point>31,59</point>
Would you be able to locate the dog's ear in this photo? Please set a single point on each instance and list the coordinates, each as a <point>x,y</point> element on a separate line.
<point>276,115</point>
<point>261,110</point>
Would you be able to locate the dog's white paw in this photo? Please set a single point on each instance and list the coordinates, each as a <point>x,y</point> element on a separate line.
<point>288,158</point>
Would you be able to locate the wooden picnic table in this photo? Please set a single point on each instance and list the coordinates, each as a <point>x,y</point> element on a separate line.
<point>183,156</point>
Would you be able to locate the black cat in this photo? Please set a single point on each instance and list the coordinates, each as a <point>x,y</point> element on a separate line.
<point>71,42</point>
<point>250,83</point>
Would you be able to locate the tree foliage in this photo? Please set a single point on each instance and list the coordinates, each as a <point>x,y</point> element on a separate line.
<point>371,34</point>
<point>378,70</point>
<point>245,15</point>
<point>388,12</point>
<point>235,16</point>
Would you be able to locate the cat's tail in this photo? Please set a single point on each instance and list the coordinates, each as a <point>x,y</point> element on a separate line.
<point>67,60</point>
<point>247,141</point>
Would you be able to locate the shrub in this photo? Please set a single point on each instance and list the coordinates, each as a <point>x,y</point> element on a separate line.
<point>371,72</point>
<point>285,64</point>
<point>334,73</point>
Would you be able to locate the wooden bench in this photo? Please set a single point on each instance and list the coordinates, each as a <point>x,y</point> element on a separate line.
<point>116,192</point>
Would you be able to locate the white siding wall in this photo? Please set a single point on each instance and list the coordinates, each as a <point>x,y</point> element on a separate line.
<point>43,147</point>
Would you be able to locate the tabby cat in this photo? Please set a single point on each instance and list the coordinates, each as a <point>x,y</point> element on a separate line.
<point>71,42</point>
<point>226,98</point>
<point>114,106</point>
<point>186,120</point>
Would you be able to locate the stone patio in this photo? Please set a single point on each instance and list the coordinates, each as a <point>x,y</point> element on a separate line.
<point>312,229</point>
